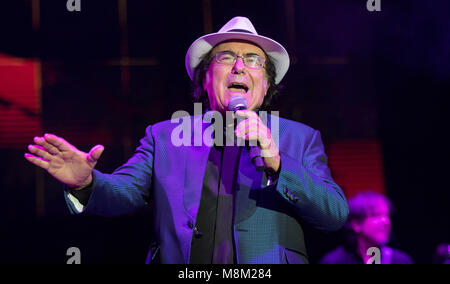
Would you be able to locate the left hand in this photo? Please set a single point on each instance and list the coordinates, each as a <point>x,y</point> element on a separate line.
<point>252,128</point>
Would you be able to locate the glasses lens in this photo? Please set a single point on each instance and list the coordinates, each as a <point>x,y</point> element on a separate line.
<point>225,57</point>
<point>253,61</point>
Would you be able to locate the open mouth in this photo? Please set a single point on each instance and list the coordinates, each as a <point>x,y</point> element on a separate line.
<point>238,87</point>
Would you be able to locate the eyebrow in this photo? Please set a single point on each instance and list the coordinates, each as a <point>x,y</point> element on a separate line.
<point>247,54</point>
<point>252,53</point>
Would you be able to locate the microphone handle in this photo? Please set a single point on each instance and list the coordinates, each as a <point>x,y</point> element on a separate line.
<point>255,156</point>
<point>254,152</point>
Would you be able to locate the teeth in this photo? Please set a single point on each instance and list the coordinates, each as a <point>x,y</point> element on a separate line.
<point>238,86</point>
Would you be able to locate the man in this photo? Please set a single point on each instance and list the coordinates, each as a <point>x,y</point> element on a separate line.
<point>211,204</point>
<point>369,229</point>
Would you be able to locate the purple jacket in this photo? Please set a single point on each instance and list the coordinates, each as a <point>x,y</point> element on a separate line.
<point>267,219</point>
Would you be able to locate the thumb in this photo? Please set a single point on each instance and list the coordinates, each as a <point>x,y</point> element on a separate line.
<point>95,154</point>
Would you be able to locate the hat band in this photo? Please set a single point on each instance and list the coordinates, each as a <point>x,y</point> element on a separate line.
<point>241,31</point>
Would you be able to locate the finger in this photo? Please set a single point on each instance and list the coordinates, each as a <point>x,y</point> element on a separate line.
<point>241,132</point>
<point>259,136</point>
<point>253,125</point>
<point>243,126</point>
<point>253,135</point>
<point>40,151</point>
<point>37,161</point>
<point>95,154</point>
<point>50,148</point>
<point>61,144</point>
<point>243,115</point>
<point>247,113</point>
<point>252,138</point>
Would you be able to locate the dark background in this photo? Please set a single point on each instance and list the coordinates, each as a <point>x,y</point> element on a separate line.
<point>354,75</point>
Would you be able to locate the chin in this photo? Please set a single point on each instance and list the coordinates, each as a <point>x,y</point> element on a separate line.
<point>382,241</point>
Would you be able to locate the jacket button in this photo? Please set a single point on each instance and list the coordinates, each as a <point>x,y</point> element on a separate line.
<point>287,192</point>
<point>197,234</point>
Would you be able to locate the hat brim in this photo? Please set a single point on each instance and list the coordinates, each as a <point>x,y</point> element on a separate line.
<point>205,43</point>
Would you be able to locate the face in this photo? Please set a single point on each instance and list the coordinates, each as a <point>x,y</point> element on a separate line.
<point>375,228</point>
<point>223,81</point>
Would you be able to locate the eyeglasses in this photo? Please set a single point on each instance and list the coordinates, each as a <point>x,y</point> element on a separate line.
<point>250,60</point>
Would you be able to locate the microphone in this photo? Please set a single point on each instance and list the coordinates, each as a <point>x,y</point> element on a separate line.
<point>236,103</point>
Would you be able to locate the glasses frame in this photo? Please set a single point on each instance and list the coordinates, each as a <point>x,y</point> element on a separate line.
<point>262,60</point>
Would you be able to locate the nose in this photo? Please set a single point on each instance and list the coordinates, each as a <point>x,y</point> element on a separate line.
<point>238,66</point>
<point>385,220</point>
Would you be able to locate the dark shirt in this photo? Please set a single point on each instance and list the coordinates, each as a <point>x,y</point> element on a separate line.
<point>215,215</point>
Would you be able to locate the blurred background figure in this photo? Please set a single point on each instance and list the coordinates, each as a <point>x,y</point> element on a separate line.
<point>368,226</point>
<point>442,254</point>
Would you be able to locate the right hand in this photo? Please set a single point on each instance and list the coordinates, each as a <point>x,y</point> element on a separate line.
<point>64,161</point>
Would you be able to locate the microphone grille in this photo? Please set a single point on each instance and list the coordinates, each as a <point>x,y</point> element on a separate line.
<point>237,102</point>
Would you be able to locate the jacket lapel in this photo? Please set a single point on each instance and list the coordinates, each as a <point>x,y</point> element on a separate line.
<point>196,160</point>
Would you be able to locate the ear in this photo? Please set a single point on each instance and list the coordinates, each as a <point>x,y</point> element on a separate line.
<point>266,86</point>
<point>205,81</point>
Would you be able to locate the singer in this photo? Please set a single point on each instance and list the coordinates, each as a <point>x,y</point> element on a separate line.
<point>215,204</point>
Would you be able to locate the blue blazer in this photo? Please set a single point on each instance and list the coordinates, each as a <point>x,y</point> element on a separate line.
<point>267,222</point>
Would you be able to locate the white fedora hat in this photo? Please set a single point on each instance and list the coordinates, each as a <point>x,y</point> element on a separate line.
<point>238,28</point>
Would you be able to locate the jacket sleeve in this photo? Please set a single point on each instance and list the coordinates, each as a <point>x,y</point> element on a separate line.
<point>309,187</point>
<point>127,188</point>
